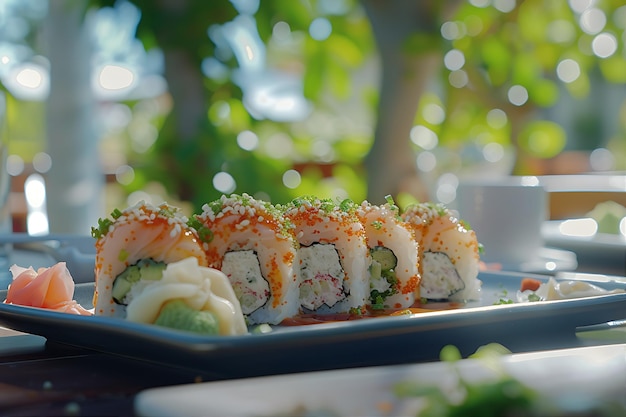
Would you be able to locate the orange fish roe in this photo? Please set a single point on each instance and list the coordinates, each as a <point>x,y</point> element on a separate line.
<point>385,229</point>
<point>445,238</point>
<point>325,214</point>
<point>333,258</point>
<point>242,223</point>
<point>424,213</point>
<point>412,286</point>
<point>276,283</point>
<point>142,231</point>
<point>141,212</point>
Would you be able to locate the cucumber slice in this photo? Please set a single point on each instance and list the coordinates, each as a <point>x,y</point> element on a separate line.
<point>385,257</point>
<point>375,270</point>
<point>131,274</point>
<point>151,270</point>
<point>121,286</point>
<point>144,269</point>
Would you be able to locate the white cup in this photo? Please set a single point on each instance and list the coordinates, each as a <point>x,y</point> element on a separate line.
<point>506,214</point>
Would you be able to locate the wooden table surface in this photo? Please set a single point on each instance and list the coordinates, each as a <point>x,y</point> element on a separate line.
<point>47,379</point>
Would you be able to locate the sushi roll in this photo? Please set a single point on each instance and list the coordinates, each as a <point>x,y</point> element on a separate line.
<point>449,255</point>
<point>333,258</point>
<point>253,245</point>
<point>134,247</point>
<point>394,272</point>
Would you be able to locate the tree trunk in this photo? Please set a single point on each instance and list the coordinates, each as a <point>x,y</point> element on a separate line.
<point>391,163</point>
<point>181,43</point>
<point>75,181</point>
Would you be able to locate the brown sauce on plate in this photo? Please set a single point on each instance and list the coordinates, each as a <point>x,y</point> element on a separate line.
<point>417,308</point>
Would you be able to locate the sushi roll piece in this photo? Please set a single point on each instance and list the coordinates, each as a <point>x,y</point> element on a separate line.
<point>394,272</point>
<point>333,260</point>
<point>133,247</point>
<point>449,253</point>
<point>253,245</point>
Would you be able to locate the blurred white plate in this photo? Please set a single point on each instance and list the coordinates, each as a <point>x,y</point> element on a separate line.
<point>550,260</point>
<point>607,250</point>
<point>592,373</point>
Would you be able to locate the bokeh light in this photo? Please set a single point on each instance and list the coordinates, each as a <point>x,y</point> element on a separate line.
<point>592,21</point>
<point>601,159</point>
<point>424,137</point>
<point>458,79</point>
<point>497,118</point>
<point>426,161</point>
<point>583,227</point>
<point>493,152</point>
<point>568,70</point>
<point>281,32</point>
<point>434,113</point>
<point>518,95</point>
<point>452,30</point>
<point>115,77</point>
<point>247,140</point>
<point>124,174</point>
<point>604,45</point>
<point>579,6</point>
<point>504,6</point>
<point>454,60</point>
<point>35,191</point>
<point>15,165</point>
<point>224,182</point>
<point>42,162</point>
<point>29,78</point>
<point>447,185</point>
<point>35,195</point>
<point>320,29</point>
<point>480,3</point>
<point>529,181</point>
<point>491,132</point>
<point>28,81</point>
<point>292,178</point>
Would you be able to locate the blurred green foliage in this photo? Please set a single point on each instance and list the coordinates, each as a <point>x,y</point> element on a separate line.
<point>187,165</point>
<point>501,49</point>
<point>524,47</point>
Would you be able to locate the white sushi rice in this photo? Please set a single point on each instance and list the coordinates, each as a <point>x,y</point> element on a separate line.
<point>244,273</point>
<point>323,223</point>
<point>383,228</point>
<point>442,279</point>
<point>128,236</point>
<point>379,284</point>
<point>321,276</point>
<point>253,245</point>
<point>440,231</point>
